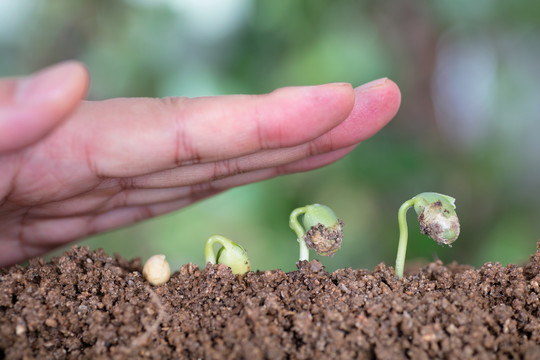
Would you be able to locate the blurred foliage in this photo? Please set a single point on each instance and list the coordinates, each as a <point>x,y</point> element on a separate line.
<point>467,127</point>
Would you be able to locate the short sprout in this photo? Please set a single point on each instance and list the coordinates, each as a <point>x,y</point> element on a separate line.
<point>230,254</point>
<point>156,270</point>
<point>437,217</point>
<point>324,232</point>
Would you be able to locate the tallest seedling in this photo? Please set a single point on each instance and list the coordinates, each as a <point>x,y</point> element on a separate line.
<point>437,217</point>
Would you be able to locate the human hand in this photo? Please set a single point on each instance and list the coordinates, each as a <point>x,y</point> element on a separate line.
<point>71,168</point>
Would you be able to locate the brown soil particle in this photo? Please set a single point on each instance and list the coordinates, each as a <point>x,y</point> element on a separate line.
<point>90,305</point>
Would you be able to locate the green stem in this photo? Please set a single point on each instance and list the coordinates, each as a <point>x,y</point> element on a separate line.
<point>300,232</point>
<point>209,255</point>
<point>403,236</point>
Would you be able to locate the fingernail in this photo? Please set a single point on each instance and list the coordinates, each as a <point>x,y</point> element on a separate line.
<point>372,84</point>
<point>45,84</point>
<point>334,84</point>
<point>337,84</point>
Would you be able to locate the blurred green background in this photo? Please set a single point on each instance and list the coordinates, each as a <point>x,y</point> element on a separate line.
<point>468,126</point>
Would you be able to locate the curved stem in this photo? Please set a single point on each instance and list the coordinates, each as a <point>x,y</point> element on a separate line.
<point>403,236</point>
<point>300,232</point>
<point>209,255</point>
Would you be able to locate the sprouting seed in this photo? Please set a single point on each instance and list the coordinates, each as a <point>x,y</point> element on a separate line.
<point>230,254</point>
<point>324,232</point>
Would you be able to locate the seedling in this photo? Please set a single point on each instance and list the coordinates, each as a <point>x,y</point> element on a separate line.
<point>437,217</point>
<point>324,230</point>
<point>230,254</point>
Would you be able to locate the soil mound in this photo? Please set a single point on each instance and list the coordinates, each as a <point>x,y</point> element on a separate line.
<point>91,305</point>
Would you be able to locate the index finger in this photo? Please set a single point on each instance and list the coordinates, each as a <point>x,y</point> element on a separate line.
<point>129,137</point>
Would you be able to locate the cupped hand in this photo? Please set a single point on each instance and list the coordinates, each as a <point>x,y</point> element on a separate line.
<point>70,168</point>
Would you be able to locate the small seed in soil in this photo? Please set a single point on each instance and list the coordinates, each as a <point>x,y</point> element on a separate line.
<point>156,270</point>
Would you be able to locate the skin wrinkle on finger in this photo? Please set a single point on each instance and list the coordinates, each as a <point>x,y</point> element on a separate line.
<point>314,162</point>
<point>91,164</point>
<point>100,202</point>
<point>185,152</point>
<point>193,174</point>
<point>225,167</point>
<point>297,166</point>
<point>10,167</point>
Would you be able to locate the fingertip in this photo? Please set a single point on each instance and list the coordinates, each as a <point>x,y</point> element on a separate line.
<point>314,110</point>
<point>338,100</point>
<point>383,93</point>
<point>392,95</point>
<point>40,102</point>
<point>81,78</point>
<point>55,84</point>
<point>344,96</point>
<point>376,103</point>
<point>338,96</point>
<point>316,161</point>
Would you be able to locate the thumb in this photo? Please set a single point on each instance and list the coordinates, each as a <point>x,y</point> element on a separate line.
<point>32,106</point>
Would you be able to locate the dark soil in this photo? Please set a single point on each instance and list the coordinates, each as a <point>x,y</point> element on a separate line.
<point>90,305</point>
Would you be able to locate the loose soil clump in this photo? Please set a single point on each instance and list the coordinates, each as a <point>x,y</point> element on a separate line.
<point>89,305</point>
